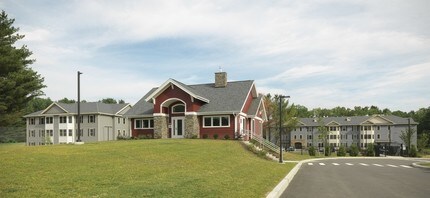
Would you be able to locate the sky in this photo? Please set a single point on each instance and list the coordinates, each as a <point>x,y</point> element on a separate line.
<point>324,53</point>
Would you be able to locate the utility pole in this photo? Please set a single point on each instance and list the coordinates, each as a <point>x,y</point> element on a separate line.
<point>280,127</point>
<point>79,107</point>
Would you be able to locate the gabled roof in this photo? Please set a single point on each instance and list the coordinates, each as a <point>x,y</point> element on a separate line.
<point>192,92</point>
<point>142,107</point>
<point>356,120</point>
<point>86,107</point>
<point>255,105</point>
<point>227,99</point>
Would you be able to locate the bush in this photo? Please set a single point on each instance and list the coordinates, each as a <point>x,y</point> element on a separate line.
<point>370,151</point>
<point>413,152</point>
<point>194,137</point>
<point>226,137</point>
<point>341,151</point>
<point>205,136</point>
<point>215,136</point>
<point>312,151</point>
<point>353,150</point>
<point>327,150</point>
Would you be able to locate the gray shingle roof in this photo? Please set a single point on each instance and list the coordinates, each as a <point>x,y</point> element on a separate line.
<point>142,107</point>
<point>87,107</point>
<point>354,120</point>
<point>227,99</point>
<point>254,105</point>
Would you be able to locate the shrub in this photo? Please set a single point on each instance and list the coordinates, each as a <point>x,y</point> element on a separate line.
<point>341,151</point>
<point>205,136</point>
<point>353,150</point>
<point>370,150</point>
<point>253,141</point>
<point>226,137</point>
<point>194,136</point>
<point>312,151</point>
<point>215,136</point>
<point>413,152</point>
<point>327,150</point>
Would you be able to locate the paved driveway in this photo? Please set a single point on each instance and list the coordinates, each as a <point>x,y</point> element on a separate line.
<point>360,178</point>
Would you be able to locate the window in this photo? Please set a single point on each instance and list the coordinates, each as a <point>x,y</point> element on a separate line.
<point>91,119</point>
<point>119,120</point>
<point>389,127</point>
<point>123,120</point>
<point>31,121</point>
<point>70,119</point>
<point>343,128</point>
<point>49,120</point>
<point>378,128</point>
<point>295,136</point>
<point>333,128</point>
<point>70,132</point>
<point>216,121</point>
<point>91,132</point>
<point>300,128</point>
<point>123,133</point>
<point>179,108</point>
<point>50,133</point>
<point>366,128</point>
<point>41,120</point>
<point>301,136</point>
<point>378,136</point>
<point>63,119</point>
<point>63,132</point>
<point>309,137</point>
<point>144,123</point>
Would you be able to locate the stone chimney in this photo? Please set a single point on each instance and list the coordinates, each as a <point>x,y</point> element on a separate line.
<point>220,79</point>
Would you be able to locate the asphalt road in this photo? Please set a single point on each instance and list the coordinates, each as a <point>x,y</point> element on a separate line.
<point>360,178</point>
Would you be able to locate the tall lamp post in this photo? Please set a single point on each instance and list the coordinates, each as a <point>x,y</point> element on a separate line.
<point>280,127</point>
<point>79,107</point>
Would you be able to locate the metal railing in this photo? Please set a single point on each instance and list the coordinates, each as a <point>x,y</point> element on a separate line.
<point>265,143</point>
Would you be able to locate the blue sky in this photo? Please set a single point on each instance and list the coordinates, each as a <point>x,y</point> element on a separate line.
<point>323,53</point>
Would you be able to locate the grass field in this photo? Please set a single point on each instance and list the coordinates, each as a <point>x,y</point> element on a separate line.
<point>139,168</point>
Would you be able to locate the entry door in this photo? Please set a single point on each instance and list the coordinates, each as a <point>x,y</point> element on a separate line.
<point>177,127</point>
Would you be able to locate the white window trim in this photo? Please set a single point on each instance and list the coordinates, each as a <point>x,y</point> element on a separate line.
<point>220,121</point>
<point>149,123</point>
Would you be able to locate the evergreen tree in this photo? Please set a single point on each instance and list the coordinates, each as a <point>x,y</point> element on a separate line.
<point>19,84</point>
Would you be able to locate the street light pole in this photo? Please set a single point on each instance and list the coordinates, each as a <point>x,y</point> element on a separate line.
<point>79,107</point>
<point>280,127</point>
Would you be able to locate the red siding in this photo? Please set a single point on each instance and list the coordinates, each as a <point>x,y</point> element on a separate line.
<point>221,131</point>
<point>248,103</point>
<point>257,127</point>
<point>176,93</point>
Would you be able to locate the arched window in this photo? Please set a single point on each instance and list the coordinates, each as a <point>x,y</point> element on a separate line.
<point>179,108</point>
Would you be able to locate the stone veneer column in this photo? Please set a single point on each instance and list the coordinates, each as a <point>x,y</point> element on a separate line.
<point>192,127</point>
<point>160,127</point>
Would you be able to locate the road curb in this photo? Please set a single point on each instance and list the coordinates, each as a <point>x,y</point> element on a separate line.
<point>282,186</point>
<point>420,166</point>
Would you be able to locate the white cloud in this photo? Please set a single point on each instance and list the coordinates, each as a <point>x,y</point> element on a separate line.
<point>323,53</point>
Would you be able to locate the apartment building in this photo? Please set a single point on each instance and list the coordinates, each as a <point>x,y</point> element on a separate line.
<point>358,130</point>
<point>57,124</point>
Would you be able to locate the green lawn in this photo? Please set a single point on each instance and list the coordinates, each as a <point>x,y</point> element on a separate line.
<point>138,168</point>
<point>427,164</point>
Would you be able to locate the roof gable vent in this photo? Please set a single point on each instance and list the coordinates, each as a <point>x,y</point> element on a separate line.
<point>348,119</point>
